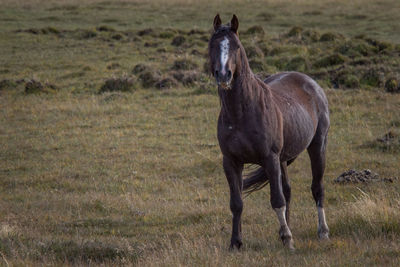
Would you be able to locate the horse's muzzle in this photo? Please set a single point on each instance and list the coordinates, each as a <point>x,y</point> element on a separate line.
<point>224,79</point>
<point>225,85</point>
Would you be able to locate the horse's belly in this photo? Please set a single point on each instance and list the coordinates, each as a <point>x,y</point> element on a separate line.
<point>299,130</point>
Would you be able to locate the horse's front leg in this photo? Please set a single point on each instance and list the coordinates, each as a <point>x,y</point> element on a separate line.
<point>233,171</point>
<point>272,167</point>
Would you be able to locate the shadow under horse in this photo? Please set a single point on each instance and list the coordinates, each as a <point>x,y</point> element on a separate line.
<point>268,123</point>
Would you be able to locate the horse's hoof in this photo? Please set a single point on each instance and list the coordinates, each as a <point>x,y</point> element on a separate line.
<point>235,244</point>
<point>286,237</point>
<point>288,243</point>
<point>323,234</point>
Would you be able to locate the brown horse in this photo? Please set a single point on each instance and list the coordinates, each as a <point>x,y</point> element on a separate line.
<point>269,124</point>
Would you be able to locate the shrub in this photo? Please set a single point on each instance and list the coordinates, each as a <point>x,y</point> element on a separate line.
<point>184,64</point>
<point>297,64</point>
<point>331,60</point>
<point>255,30</point>
<point>178,40</point>
<point>123,84</point>
<point>34,87</point>
<point>392,85</point>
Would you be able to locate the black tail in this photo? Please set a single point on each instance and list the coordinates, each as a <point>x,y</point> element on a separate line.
<point>254,181</point>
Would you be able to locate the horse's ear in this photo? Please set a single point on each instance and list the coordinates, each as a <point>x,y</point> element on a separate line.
<point>234,24</point>
<point>217,22</point>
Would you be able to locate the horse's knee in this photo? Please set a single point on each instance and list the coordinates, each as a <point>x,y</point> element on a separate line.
<point>277,201</point>
<point>236,205</point>
<point>318,193</point>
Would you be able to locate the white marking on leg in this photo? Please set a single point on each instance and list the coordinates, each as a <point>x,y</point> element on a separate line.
<point>281,215</point>
<point>284,232</point>
<point>224,46</point>
<point>323,230</point>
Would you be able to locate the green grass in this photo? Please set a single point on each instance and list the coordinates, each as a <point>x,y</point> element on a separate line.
<point>136,177</point>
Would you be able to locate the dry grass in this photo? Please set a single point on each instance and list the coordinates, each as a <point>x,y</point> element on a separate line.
<point>135,178</point>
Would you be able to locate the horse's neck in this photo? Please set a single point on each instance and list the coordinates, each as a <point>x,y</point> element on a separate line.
<point>245,96</point>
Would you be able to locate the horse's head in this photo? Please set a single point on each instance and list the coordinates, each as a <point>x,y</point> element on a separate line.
<point>224,51</point>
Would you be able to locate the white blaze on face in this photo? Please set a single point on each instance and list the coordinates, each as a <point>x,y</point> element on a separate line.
<point>224,46</point>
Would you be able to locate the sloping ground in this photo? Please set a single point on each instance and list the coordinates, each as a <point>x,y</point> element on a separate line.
<point>178,58</point>
<point>91,177</point>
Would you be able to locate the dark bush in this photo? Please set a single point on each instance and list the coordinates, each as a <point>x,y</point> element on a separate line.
<point>297,64</point>
<point>295,31</point>
<point>255,30</point>
<point>178,40</point>
<point>149,78</point>
<point>104,28</point>
<point>123,84</point>
<point>392,85</point>
<point>34,87</point>
<point>166,83</point>
<point>184,64</point>
<point>331,60</point>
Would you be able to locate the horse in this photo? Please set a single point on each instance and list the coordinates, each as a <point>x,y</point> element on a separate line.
<point>266,123</point>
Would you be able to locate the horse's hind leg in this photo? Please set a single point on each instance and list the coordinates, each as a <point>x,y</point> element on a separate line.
<point>286,188</point>
<point>233,172</point>
<point>316,151</point>
<point>273,170</point>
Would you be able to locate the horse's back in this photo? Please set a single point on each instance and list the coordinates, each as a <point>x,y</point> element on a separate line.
<point>304,109</point>
<point>300,88</point>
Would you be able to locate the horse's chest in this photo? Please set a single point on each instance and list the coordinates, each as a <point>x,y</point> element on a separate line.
<point>246,145</point>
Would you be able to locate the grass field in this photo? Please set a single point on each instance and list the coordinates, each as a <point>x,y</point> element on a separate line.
<point>128,171</point>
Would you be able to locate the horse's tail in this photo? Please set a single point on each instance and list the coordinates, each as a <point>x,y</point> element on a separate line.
<point>255,180</point>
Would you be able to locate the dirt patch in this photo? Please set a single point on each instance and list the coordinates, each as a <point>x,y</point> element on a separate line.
<point>364,176</point>
<point>122,84</point>
<point>35,87</point>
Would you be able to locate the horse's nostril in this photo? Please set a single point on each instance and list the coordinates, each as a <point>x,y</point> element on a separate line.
<point>216,73</point>
<point>229,74</point>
